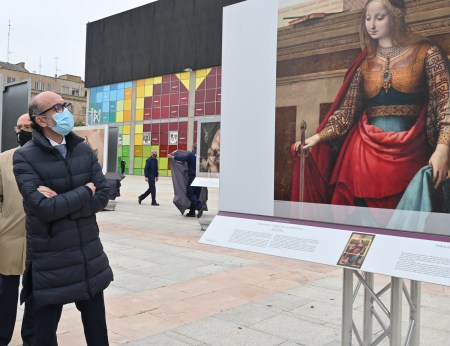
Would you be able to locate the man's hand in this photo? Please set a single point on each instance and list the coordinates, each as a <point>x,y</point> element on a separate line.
<point>92,187</point>
<point>46,191</point>
<point>170,156</point>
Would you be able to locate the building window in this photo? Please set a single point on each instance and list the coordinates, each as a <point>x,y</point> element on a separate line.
<point>49,87</point>
<point>75,92</point>
<point>10,79</point>
<point>65,90</point>
<point>38,85</point>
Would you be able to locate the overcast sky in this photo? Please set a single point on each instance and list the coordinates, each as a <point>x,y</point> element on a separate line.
<point>49,29</point>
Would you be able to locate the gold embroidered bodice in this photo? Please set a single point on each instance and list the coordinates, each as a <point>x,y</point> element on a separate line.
<point>421,69</point>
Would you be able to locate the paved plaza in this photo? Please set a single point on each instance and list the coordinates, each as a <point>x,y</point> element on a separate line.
<point>168,289</point>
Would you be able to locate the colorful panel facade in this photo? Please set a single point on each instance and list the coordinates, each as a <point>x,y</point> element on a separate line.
<point>154,113</point>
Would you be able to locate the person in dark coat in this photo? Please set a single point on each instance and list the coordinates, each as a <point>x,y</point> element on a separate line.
<point>122,166</point>
<point>192,192</point>
<point>63,187</point>
<point>151,173</point>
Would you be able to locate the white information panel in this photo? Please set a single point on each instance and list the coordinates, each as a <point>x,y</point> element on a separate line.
<point>411,258</point>
<point>206,182</point>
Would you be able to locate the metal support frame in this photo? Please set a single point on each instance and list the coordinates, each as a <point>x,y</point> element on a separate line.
<point>373,303</point>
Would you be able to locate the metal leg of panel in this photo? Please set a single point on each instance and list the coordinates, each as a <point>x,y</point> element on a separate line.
<point>368,306</point>
<point>414,314</point>
<point>396,312</point>
<point>347,307</point>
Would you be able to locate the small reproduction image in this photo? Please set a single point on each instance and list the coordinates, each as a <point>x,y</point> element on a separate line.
<point>356,250</point>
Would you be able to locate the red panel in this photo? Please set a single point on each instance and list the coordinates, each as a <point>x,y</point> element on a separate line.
<point>199,109</point>
<point>156,89</point>
<point>218,108</point>
<point>175,87</point>
<point>200,96</point>
<point>166,78</point>
<point>163,150</point>
<point>184,98</point>
<point>164,134</point>
<point>147,127</point>
<point>165,101</point>
<point>174,111</point>
<point>148,102</point>
<point>213,72</point>
<point>174,99</point>
<point>155,128</point>
<point>147,113</point>
<point>219,81</point>
<point>182,128</point>
<point>165,88</point>
<point>156,113</point>
<point>183,111</point>
<point>173,78</point>
<point>164,112</point>
<point>156,101</point>
<point>173,126</point>
<point>210,95</point>
<point>172,148</point>
<point>210,108</point>
<point>219,95</point>
<point>211,82</point>
<point>155,138</point>
<point>182,146</point>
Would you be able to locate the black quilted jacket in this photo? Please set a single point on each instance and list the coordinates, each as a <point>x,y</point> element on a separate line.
<point>65,258</point>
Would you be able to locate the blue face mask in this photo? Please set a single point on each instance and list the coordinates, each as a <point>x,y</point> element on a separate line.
<point>64,122</point>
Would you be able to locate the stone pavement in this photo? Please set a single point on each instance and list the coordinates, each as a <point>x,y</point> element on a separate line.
<point>170,290</point>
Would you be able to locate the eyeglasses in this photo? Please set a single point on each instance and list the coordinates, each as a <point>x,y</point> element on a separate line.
<point>58,108</point>
<point>27,128</point>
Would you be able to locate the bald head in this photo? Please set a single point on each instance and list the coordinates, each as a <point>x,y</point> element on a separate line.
<point>24,122</point>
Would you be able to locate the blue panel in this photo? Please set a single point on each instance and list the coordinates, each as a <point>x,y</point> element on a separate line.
<point>106,87</point>
<point>99,106</point>
<point>120,94</point>
<point>128,84</point>
<point>120,85</point>
<point>106,96</point>
<point>113,86</point>
<point>112,106</point>
<point>113,95</point>
<point>105,107</point>
<point>93,90</point>
<point>99,97</point>
<point>105,118</point>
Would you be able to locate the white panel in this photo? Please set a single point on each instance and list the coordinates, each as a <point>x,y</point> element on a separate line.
<point>249,47</point>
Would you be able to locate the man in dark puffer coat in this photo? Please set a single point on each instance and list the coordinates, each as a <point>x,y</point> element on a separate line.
<point>62,191</point>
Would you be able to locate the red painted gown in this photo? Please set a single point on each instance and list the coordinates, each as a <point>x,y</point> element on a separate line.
<point>378,135</point>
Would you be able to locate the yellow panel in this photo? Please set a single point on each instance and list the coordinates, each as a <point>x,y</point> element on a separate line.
<point>157,80</point>
<point>185,75</point>
<point>139,128</point>
<point>138,150</point>
<point>126,129</point>
<point>141,82</point>
<point>208,70</point>
<point>140,91</point>
<point>200,73</point>
<point>148,91</point>
<point>138,141</point>
<point>149,81</point>
<point>119,106</point>
<point>198,81</point>
<point>163,163</point>
<point>185,83</point>
<point>119,117</point>
<point>126,116</point>
<point>127,105</point>
<point>139,114</point>
<point>139,103</point>
<point>128,93</point>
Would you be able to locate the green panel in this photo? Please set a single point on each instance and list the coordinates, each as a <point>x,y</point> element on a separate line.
<point>146,151</point>
<point>138,171</point>
<point>119,151</point>
<point>126,150</point>
<point>169,173</point>
<point>126,139</point>
<point>138,162</point>
<point>144,159</point>
<point>120,129</point>
<point>163,172</point>
<point>163,163</point>
<point>112,117</point>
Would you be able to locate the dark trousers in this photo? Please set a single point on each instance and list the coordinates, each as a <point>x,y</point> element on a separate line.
<point>92,316</point>
<point>151,190</point>
<point>9,295</point>
<point>193,193</point>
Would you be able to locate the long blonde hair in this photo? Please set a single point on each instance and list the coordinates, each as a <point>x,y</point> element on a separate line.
<point>400,34</point>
